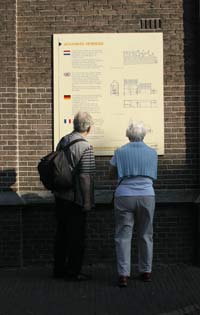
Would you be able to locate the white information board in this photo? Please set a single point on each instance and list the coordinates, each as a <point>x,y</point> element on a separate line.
<point>117,78</point>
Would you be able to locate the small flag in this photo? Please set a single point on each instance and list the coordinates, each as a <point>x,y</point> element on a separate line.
<point>67,52</point>
<point>67,74</point>
<point>67,121</point>
<point>67,97</point>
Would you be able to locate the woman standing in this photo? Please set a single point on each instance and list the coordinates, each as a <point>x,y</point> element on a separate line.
<point>135,164</point>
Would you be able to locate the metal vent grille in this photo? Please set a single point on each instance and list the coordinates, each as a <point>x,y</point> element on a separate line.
<point>150,24</point>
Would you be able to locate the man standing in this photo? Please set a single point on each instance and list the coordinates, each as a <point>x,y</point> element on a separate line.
<point>72,205</point>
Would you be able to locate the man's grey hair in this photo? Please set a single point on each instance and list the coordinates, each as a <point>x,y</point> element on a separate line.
<point>82,121</point>
<point>136,132</point>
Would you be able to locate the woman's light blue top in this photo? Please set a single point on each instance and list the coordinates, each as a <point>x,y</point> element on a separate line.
<point>137,164</point>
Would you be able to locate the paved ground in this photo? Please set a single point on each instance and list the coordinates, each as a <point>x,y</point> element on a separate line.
<point>175,290</point>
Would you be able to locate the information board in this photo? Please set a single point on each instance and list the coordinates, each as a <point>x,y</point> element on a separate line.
<point>117,78</point>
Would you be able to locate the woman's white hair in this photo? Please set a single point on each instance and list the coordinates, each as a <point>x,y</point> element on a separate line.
<point>82,121</point>
<point>136,132</point>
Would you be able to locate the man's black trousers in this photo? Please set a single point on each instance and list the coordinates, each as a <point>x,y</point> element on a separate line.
<point>70,237</point>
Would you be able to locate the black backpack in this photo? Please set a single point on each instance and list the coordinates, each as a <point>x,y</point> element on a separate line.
<point>56,170</point>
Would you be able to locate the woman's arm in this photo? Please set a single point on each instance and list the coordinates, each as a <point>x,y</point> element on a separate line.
<point>113,172</point>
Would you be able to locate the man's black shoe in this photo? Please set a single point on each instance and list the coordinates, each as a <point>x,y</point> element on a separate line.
<point>77,277</point>
<point>59,275</point>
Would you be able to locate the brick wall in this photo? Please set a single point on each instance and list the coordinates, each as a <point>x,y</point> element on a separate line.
<point>35,133</point>
<point>27,117</point>
<point>10,237</point>
<point>38,21</point>
<point>27,235</point>
<point>8,103</point>
<point>26,121</point>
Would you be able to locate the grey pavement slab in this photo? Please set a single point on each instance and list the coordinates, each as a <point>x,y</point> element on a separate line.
<point>175,290</point>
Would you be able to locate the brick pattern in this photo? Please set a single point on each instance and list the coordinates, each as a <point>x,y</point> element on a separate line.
<point>8,43</point>
<point>10,237</point>
<point>174,235</point>
<point>26,121</point>
<point>37,21</point>
<point>35,133</point>
<point>178,168</point>
<point>38,235</point>
<point>33,123</point>
<point>8,122</point>
<point>27,235</point>
<point>8,114</point>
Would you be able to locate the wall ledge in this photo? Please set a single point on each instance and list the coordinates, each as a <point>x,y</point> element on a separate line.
<point>11,198</point>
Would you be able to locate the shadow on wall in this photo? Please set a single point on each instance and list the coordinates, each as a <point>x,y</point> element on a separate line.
<point>190,18</point>
<point>10,196</point>
<point>8,180</point>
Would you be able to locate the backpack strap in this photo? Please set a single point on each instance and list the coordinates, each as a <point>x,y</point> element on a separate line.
<point>67,146</point>
<point>72,142</point>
